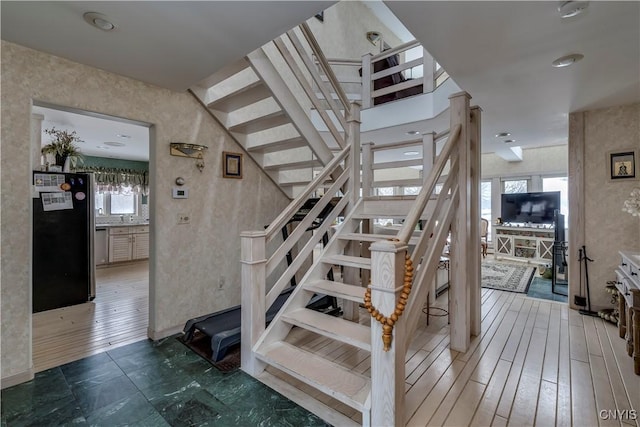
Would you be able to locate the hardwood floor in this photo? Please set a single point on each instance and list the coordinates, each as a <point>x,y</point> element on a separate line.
<point>535,363</point>
<point>119,315</point>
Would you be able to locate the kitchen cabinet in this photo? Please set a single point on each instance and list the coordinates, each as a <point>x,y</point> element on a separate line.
<point>128,243</point>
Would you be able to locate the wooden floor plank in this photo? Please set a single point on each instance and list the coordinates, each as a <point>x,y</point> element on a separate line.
<point>552,347</point>
<point>546,410</point>
<point>583,405</point>
<point>465,405</point>
<point>487,408</point>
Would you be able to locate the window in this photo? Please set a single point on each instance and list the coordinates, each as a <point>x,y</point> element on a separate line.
<point>485,203</point>
<point>560,184</point>
<point>384,191</point>
<point>411,191</point>
<point>123,202</point>
<point>515,186</point>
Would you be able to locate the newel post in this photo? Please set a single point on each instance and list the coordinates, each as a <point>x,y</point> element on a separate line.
<point>387,367</point>
<point>353,139</point>
<point>367,84</point>
<point>253,276</point>
<point>460,264</point>
<point>474,231</point>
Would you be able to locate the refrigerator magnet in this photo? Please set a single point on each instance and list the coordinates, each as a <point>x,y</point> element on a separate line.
<point>65,186</point>
<point>80,195</point>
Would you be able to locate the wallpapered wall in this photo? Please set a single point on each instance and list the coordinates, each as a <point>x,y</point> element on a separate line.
<point>195,268</point>
<point>607,228</point>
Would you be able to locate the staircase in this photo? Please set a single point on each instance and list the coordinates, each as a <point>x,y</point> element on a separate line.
<point>276,349</point>
<point>268,110</point>
<point>265,101</point>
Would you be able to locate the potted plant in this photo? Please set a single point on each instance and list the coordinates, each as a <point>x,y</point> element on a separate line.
<point>62,146</point>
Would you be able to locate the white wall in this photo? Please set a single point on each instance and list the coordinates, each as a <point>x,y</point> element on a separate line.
<point>195,268</point>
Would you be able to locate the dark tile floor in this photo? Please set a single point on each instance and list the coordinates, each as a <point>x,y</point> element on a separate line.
<point>541,288</point>
<point>148,384</point>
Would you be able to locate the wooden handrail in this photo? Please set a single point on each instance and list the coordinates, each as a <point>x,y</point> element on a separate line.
<point>322,60</point>
<point>341,61</point>
<point>390,52</point>
<point>425,193</point>
<point>277,224</point>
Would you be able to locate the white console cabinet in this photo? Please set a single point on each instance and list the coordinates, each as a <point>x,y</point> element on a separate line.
<point>530,244</point>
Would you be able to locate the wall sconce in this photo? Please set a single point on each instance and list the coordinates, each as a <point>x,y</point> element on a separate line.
<point>374,37</point>
<point>194,151</point>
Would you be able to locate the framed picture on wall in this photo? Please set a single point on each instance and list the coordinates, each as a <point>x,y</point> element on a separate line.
<point>622,164</point>
<point>231,165</point>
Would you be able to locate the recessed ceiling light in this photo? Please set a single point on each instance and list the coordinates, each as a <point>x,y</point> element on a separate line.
<point>99,20</point>
<point>114,143</point>
<point>121,135</point>
<point>413,132</point>
<point>411,153</point>
<point>569,9</point>
<point>102,147</point>
<point>565,61</point>
<point>502,134</point>
<point>507,141</point>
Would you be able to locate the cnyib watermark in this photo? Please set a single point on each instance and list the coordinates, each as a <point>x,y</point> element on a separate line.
<point>618,414</point>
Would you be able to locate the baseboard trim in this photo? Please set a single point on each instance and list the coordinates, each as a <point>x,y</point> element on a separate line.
<point>16,379</point>
<point>158,335</point>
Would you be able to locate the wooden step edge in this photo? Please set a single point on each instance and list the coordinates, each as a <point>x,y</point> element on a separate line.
<point>337,289</point>
<point>309,403</point>
<point>363,237</point>
<point>332,327</point>
<point>330,378</point>
<point>348,261</point>
<point>260,123</point>
<point>254,91</point>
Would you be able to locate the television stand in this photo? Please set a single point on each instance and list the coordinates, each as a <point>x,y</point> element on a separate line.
<point>530,244</point>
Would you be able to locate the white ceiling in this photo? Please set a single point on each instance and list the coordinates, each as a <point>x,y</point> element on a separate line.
<point>499,52</point>
<point>101,136</point>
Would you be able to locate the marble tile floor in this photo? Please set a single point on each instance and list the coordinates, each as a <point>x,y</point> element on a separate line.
<point>541,288</point>
<point>148,384</point>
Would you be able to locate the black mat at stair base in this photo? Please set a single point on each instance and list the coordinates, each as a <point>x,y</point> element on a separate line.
<point>201,345</point>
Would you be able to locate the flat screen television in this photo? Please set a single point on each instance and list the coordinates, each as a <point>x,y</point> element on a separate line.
<point>536,208</point>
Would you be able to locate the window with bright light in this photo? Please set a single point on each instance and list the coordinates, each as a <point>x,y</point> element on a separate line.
<point>515,186</point>
<point>411,191</point>
<point>561,184</point>
<point>126,201</point>
<point>485,203</point>
<point>123,204</point>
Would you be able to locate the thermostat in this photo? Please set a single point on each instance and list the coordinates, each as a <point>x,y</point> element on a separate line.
<point>180,193</point>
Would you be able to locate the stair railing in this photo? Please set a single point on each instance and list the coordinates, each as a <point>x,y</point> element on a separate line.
<point>336,122</point>
<point>448,210</point>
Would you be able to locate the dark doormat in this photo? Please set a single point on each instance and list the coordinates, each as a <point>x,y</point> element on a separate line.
<point>201,345</point>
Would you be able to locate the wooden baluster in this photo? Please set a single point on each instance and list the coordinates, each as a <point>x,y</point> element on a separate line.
<point>428,73</point>
<point>253,275</point>
<point>367,169</point>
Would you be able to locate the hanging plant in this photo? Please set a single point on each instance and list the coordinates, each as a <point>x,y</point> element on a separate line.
<point>62,146</point>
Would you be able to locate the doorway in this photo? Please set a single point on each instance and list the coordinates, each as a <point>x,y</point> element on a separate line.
<point>115,152</point>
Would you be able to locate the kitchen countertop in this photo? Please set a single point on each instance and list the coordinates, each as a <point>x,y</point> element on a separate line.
<point>123,224</point>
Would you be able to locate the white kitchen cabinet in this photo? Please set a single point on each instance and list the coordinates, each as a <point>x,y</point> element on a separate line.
<point>128,243</point>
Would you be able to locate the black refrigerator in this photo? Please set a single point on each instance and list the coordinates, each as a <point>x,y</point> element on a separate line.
<point>63,269</point>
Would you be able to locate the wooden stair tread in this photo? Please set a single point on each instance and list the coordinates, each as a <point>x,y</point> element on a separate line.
<point>363,237</point>
<point>330,378</point>
<point>242,97</point>
<point>277,118</point>
<point>297,164</point>
<point>348,261</point>
<point>278,145</point>
<point>311,404</point>
<point>337,289</point>
<point>329,326</point>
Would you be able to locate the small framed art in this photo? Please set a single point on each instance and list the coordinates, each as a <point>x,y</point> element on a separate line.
<point>622,165</point>
<point>231,165</point>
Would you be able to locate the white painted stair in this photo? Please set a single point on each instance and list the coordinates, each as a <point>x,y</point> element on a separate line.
<point>276,349</point>
<point>264,113</point>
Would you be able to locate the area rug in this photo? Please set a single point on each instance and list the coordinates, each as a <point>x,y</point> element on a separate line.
<point>201,345</point>
<point>511,277</point>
